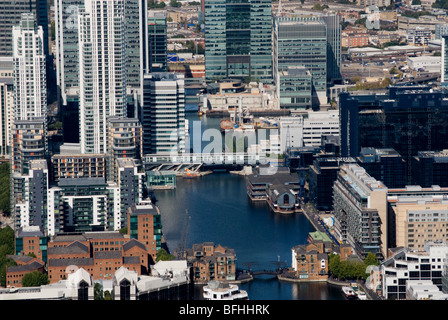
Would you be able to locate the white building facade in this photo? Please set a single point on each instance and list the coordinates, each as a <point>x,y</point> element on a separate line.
<point>30,83</point>
<point>163,113</point>
<point>102,70</point>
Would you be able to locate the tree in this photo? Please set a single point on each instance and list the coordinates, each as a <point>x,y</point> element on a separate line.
<point>175,3</point>
<point>5,190</point>
<point>162,255</point>
<point>371,260</point>
<point>35,279</point>
<point>98,292</point>
<point>5,262</point>
<point>320,7</point>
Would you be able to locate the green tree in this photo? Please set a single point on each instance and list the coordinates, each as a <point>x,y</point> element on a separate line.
<point>5,262</point>
<point>98,292</point>
<point>35,279</point>
<point>175,3</point>
<point>4,190</point>
<point>163,255</point>
<point>371,260</point>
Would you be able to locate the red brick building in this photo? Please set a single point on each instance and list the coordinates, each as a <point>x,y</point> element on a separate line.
<point>212,262</point>
<point>25,265</point>
<point>99,253</point>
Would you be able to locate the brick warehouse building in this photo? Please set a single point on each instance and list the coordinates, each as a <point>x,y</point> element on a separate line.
<point>99,258</point>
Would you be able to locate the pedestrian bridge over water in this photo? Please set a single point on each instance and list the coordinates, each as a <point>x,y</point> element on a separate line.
<point>169,160</point>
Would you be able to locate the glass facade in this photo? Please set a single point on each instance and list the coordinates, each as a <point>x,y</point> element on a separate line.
<point>238,39</point>
<point>407,119</point>
<point>295,88</point>
<point>302,41</point>
<point>157,33</point>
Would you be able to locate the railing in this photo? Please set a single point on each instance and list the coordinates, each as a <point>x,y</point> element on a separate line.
<point>229,158</point>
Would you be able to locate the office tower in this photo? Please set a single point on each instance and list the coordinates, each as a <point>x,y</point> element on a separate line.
<point>145,225</point>
<point>238,40</point>
<point>6,104</point>
<point>29,143</point>
<point>444,64</point>
<point>125,138</point>
<point>332,21</point>
<point>294,88</point>
<point>30,84</point>
<point>322,175</point>
<point>30,191</point>
<point>102,70</point>
<point>163,113</point>
<point>385,165</point>
<point>441,30</point>
<point>157,33</point>
<point>407,118</point>
<point>10,15</point>
<point>360,211</point>
<point>301,42</point>
<point>430,168</point>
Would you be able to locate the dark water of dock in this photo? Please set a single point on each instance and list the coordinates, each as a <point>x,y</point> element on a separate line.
<point>219,211</point>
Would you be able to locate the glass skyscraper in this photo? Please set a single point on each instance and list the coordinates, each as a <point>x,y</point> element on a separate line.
<point>10,15</point>
<point>302,42</point>
<point>238,36</point>
<point>157,33</point>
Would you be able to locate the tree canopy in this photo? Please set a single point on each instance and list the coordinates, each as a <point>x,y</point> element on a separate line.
<point>35,279</point>
<point>351,269</point>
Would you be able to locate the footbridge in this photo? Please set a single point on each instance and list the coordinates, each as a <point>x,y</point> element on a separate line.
<point>194,161</point>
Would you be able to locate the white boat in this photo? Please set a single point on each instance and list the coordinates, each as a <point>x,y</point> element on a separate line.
<point>215,290</point>
<point>361,295</point>
<point>349,293</point>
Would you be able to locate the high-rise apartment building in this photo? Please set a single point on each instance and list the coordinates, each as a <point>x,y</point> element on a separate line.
<point>6,104</point>
<point>102,70</point>
<point>10,15</point>
<point>238,40</point>
<point>83,204</point>
<point>29,143</point>
<point>360,211</point>
<point>30,82</point>
<point>30,191</point>
<point>67,51</point>
<point>125,138</point>
<point>67,38</point>
<point>145,225</point>
<point>163,113</point>
<point>130,180</point>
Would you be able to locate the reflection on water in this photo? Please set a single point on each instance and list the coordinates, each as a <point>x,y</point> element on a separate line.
<point>220,211</point>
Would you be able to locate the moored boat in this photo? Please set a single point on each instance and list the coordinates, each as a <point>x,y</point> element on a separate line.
<point>216,290</point>
<point>349,293</point>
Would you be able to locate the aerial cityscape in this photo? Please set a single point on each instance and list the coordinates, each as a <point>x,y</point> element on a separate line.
<point>223,150</point>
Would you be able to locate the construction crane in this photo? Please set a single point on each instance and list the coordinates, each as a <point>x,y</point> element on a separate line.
<point>183,242</point>
<point>249,265</point>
